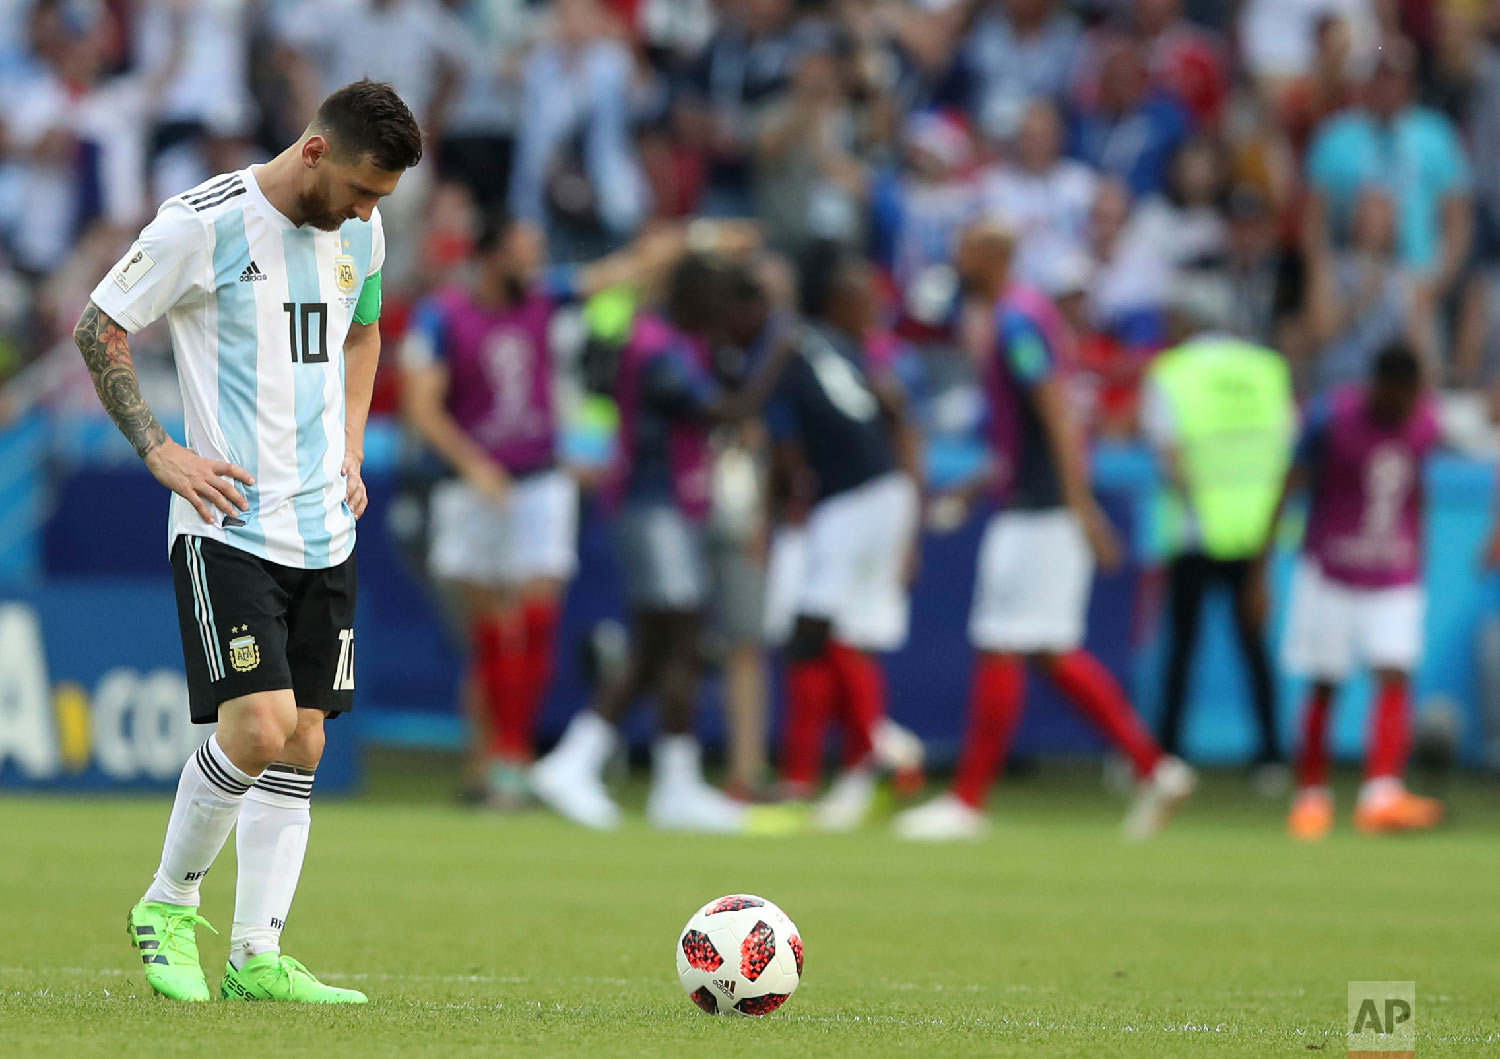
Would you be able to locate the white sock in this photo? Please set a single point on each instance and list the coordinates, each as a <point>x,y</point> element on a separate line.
<point>1380,789</point>
<point>677,761</point>
<point>271,842</point>
<point>209,794</point>
<point>586,743</point>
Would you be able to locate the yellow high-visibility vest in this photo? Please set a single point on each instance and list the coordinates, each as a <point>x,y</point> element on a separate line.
<point>1234,417</point>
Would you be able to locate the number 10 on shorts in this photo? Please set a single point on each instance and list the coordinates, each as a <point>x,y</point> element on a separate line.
<point>343,675</point>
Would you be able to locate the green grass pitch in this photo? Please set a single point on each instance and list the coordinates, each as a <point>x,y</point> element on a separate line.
<point>477,935</point>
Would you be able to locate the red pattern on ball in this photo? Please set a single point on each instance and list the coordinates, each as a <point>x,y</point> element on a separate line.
<point>757,950</point>
<point>705,999</point>
<point>700,952</point>
<point>761,1005</point>
<point>733,903</point>
<point>796,943</point>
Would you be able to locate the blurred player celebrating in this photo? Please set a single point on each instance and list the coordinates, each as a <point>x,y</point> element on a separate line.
<point>270,282</point>
<point>1358,592</point>
<point>832,421</point>
<point>1036,561</point>
<point>669,401</point>
<point>478,388</point>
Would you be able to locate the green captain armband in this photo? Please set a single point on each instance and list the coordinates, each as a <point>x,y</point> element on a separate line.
<point>367,310</point>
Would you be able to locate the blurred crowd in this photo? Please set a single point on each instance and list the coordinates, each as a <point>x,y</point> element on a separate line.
<point>1330,167</point>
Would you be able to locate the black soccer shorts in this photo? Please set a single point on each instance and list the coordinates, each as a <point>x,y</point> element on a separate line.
<point>251,625</point>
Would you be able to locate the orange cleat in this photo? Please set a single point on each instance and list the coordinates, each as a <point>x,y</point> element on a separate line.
<point>1311,817</point>
<point>1401,810</point>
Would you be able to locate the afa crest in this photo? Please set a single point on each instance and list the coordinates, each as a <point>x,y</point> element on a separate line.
<point>244,652</point>
<point>344,274</point>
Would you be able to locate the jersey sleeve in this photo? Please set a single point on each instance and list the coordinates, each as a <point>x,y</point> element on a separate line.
<point>377,243</point>
<point>168,264</point>
<point>562,284</point>
<point>423,344</point>
<point>671,384</point>
<point>1024,350</point>
<point>1314,430</point>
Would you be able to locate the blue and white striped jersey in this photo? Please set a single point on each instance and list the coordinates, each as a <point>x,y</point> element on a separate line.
<point>258,310</point>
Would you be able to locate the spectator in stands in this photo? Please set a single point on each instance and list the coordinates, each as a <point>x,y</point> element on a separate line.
<point>77,141</point>
<point>1042,197</point>
<point>1412,152</point>
<point>1129,132</point>
<point>919,207</point>
<point>477,141</point>
<point>577,171</point>
<point>746,66</point>
<point>195,55</point>
<point>1184,59</point>
<point>1307,101</point>
<point>1279,38</point>
<point>1264,280</point>
<point>1016,51</point>
<point>810,179</point>
<point>415,45</point>
<point>1132,277</point>
<point>1186,224</point>
<point>1363,298</point>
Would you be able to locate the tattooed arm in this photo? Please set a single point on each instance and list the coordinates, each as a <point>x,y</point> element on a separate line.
<point>105,346</point>
<point>106,350</point>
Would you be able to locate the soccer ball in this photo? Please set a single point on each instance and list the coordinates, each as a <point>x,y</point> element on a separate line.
<point>739,955</point>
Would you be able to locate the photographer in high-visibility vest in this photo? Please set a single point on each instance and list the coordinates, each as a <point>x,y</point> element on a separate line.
<point>1220,412</point>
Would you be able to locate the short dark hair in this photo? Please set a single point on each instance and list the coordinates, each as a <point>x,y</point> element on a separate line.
<point>696,288</point>
<point>369,118</point>
<point>1396,365</point>
<point>494,226</point>
<point>826,264</point>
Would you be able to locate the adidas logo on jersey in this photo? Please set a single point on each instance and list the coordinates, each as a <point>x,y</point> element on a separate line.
<point>252,273</point>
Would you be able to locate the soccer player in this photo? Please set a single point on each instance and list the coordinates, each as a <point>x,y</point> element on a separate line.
<point>669,401</point>
<point>269,279</point>
<point>478,388</point>
<point>845,429</point>
<point>1036,561</point>
<point>1357,595</point>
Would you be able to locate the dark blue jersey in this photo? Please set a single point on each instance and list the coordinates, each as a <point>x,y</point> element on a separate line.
<point>824,402</point>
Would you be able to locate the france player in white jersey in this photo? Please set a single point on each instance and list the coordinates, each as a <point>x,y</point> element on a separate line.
<point>269,280</point>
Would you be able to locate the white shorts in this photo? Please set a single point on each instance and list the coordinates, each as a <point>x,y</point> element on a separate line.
<point>1032,586</point>
<point>1333,627</point>
<point>532,534</point>
<point>848,565</point>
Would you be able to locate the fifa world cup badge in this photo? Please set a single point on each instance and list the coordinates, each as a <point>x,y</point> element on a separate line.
<point>244,652</point>
<point>343,273</point>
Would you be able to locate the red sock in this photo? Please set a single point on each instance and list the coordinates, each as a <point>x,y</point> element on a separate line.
<point>1390,730</point>
<point>1094,690</point>
<point>500,658</point>
<point>812,687</point>
<point>1312,759</point>
<point>996,700</point>
<point>541,618</point>
<point>860,704</point>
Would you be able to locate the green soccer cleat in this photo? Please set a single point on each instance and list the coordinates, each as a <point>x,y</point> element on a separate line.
<point>271,976</point>
<point>169,949</point>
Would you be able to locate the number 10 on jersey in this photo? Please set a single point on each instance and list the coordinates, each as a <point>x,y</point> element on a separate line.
<point>308,346</point>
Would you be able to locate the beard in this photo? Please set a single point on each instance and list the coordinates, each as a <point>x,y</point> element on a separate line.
<point>316,210</point>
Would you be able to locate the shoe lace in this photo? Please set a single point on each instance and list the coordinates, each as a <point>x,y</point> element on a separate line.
<point>295,973</point>
<point>181,942</point>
